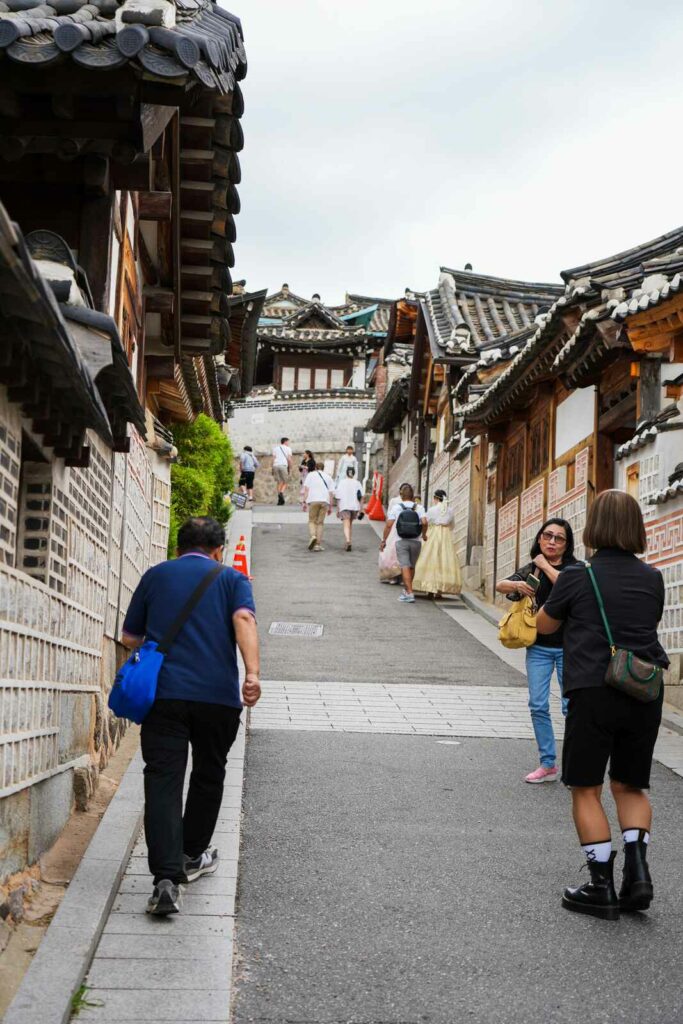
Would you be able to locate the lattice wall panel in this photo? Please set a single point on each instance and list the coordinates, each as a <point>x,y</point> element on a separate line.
<point>649,482</point>
<point>10,454</point>
<point>161,514</point>
<point>115,543</point>
<point>508,523</point>
<point>137,524</point>
<point>459,497</point>
<point>90,503</point>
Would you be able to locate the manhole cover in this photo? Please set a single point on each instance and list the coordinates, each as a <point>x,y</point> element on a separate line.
<point>295,629</point>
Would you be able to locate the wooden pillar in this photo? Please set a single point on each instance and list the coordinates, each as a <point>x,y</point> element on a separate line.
<point>94,246</point>
<point>649,389</point>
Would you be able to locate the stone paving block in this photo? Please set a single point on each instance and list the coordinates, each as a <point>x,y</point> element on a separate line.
<point>208,885</point>
<point>194,904</point>
<point>147,927</point>
<point>130,1005</point>
<point>209,975</point>
<point>166,946</point>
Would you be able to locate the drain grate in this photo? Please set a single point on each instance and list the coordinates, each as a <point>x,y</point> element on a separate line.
<point>306,629</point>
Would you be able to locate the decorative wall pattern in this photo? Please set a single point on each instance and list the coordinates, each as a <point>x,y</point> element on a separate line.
<point>648,483</point>
<point>490,550</point>
<point>459,499</point>
<point>531,516</point>
<point>665,551</point>
<point>137,525</point>
<point>571,505</point>
<point>508,522</point>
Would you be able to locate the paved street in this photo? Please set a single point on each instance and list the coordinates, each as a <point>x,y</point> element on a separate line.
<point>394,868</point>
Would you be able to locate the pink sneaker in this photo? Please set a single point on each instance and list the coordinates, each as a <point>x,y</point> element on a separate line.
<point>542,775</point>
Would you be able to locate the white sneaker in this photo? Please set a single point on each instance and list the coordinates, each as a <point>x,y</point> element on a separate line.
<point>407,598</point>
<point>205,864</point>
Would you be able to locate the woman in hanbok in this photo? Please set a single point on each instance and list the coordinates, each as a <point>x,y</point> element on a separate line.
<point>438,567</point>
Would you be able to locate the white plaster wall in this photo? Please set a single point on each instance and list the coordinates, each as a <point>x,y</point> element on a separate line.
<point>358,376</point>
<point>574,419</point>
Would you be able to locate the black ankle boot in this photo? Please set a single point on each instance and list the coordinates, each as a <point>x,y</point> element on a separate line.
<point>636,886</point>
<point>280,499</point>
<point>597,897</point>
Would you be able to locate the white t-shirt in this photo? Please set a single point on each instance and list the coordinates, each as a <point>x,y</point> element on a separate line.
<point>347,495</point>
<point>347,462</point>
<point>318,484</point>
<point>281,453</point>
<point>399,506</point>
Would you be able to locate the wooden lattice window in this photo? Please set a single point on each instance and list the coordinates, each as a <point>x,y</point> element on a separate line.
<point>513,469</point>
<point>539,443</point>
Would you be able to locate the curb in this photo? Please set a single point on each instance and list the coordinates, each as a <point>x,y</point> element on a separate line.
<point>64,956</point>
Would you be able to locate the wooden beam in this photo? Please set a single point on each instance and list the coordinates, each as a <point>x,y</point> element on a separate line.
<point>97,219</point>
<point>160,368</point>
<point>158,300</point>
<point>155,205</point>
<point>153,121</point>
<point>149,269</point>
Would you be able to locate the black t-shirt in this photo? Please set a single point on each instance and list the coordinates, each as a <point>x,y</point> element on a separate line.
<point>542,594</point>
<point>633,595</point>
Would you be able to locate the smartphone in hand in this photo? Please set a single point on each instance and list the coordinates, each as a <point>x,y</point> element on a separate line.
<point>533,582</point>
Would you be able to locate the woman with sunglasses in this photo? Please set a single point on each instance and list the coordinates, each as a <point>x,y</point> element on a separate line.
<point>551,552</point>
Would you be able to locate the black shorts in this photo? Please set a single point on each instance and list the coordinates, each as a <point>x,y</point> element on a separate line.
<point>605,725</point>
<point>246,480</point>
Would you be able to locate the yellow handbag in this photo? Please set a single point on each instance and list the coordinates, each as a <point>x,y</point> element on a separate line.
<point>517,628</point>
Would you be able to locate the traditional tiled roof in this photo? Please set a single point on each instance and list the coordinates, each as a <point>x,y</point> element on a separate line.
<point>392,408</point>
<point>467,311</point>
<point>670,418</point>
<point>608,290</point>
<point>185,40</point>
<point>62,360</point>
<point>379,323</point>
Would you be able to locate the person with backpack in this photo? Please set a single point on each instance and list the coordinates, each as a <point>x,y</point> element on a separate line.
<point>248,467</point>
<point>318,498</point>
<point>411,529</point>
<point>209,610</point>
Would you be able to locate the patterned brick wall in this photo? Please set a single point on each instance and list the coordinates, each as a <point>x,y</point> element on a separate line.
<point>531,516</point>
<point>571,505</point>
<point>665,551</point>
<point>506,553</point>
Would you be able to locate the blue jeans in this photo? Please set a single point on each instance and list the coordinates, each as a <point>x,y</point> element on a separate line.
<point>540,662</point>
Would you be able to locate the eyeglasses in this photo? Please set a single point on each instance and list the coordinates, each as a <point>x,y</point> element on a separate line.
<point>558,537</point>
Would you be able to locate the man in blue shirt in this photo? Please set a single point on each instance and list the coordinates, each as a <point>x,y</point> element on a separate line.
<point>197,704</point>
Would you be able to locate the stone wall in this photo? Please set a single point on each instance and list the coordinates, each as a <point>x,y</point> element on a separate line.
<point>73,544</point>
<point>404,471</point>
<point>323,424</point>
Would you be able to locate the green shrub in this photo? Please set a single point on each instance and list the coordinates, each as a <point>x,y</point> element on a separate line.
<point>204,473</point>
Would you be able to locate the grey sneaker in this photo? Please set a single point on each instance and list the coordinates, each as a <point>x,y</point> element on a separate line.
<point>205,864</point>
<point>165,899</point>
<point>311,543</point>
<point>407,598</point>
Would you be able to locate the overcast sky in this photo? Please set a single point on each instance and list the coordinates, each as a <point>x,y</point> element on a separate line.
<point>386,138</point>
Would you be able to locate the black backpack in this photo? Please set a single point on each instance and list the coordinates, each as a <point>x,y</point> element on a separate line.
<point>408,525</point>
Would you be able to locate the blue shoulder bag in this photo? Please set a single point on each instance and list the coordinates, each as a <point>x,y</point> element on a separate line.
<point>135,685</point>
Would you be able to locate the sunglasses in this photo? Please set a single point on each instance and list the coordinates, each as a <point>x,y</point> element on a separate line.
<point>560,538</point>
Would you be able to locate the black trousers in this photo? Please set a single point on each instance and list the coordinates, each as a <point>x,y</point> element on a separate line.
<point>167,733</point>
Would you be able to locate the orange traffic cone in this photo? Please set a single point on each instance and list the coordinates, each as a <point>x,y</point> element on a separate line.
<point>239,562</point>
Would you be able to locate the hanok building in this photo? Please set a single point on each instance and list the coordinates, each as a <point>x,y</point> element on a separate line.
<point>591,400</point>
<point>119,135</point>
<point>314,376</point>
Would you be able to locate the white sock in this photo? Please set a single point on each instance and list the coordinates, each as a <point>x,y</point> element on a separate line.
<point>598,851</point>
<point>632,835</point>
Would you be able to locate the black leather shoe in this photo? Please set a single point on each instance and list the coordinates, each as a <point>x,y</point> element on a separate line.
<point>636,885</point>
<point>597,897</point>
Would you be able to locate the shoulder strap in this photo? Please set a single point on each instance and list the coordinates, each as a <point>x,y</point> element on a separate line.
<point>187,609</point>
<point>601,606</point>
<point>322,478</point>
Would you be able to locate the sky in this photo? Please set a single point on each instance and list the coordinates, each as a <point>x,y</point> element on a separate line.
<point>386,138</point>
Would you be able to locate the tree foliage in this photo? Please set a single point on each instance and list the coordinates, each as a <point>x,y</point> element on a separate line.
<point>203,475</point>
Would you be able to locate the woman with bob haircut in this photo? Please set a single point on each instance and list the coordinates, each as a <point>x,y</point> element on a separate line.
<point>605,724</point>
<point>551,552</point>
